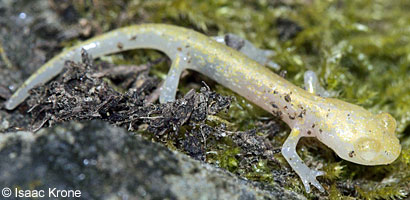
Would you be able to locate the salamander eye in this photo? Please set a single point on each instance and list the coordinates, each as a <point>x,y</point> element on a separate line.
<point>367,148</point>
<point>388,122</point>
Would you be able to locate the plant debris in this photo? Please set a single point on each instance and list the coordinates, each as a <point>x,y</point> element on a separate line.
<point>80,93</point>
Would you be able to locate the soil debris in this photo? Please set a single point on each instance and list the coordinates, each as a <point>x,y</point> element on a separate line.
<point>80,93</point>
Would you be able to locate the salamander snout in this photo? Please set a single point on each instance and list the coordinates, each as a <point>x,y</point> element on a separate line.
<point>371,151</point>
<point>381,146</point>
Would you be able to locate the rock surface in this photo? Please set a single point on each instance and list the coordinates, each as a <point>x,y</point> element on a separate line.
<point>106,162</point>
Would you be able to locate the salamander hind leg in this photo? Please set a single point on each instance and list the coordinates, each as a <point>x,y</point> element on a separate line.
<point>244,46</point>
<point>170,86</point>
<point>313,86</point>
<point>307,175</point>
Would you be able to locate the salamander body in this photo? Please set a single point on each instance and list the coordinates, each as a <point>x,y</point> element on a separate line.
<point>354,133</point>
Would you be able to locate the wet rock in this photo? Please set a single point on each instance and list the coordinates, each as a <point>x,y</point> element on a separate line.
<point>103,161</point>
<point>13,122</point>
<point>30,33</point>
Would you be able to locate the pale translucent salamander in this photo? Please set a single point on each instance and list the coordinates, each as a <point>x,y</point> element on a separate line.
<point>352,132</point>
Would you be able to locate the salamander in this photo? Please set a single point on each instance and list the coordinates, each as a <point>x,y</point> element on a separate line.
<point>354,133</point>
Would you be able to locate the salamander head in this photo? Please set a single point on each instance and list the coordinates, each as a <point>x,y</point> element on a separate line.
<point>372,142</point>
<point>383,147</point>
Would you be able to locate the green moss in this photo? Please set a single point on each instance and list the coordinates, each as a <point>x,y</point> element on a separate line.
<point>227,159</point>
<point>359,48</point>
<point>387,192</point>
<point>333,170</point>
<point>260,171</point>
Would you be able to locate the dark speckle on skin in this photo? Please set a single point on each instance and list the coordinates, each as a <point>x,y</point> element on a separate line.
<point>309,132</point>
<point>277,113</point>
<point>120,45</point>
<point>179,49</point>
<point>133,37</point>
<point>283,73</point>
<point>313,125</point>
<point>274,105</point>
<point>302,113</point>
<point>320,130</point>
<point>351,154</point>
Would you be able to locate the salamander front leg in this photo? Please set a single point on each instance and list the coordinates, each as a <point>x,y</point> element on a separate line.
<point>170,86</point>
<point>312,84</point>
<point>307,175</point>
